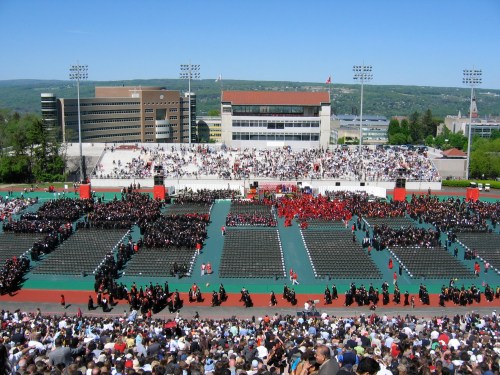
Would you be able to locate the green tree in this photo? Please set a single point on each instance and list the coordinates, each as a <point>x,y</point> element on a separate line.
<point>415,128</point>
<point>405,127</point>
<point>398,139</point>
<point>429,140</point>
<point>429,124</point>
<point>394,127</point>
<point>214,112</point>
<point>27,154</point>
<point>485,158</point>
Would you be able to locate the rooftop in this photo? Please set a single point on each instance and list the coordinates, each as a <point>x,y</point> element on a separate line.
<point>275,97</point>
<point>454,153</point>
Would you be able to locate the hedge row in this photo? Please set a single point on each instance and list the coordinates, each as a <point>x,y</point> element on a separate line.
<point>465,183</point>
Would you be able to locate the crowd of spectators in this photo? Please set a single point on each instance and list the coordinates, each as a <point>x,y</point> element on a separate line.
<point>283,163</point>
<point>139,165</point>
<point>368,344</point>
<point>12,206</point>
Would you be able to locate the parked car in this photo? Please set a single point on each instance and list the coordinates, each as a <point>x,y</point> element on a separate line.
<point>480,186</point>
<point>487,187</point>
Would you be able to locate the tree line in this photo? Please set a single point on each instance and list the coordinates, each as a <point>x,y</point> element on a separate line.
<point>28,152</point>
<point>421,129</point>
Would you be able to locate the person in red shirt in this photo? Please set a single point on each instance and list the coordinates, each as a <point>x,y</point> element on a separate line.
<point>198,247</point>
<point>477,269</point>
<point>120,345</point>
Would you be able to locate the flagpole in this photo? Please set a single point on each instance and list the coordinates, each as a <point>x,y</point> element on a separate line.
<point>330,88</point>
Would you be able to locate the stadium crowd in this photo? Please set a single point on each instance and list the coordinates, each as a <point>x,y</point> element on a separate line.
<point>12,206</point>
<point>376,164</point>
<point>34,343</point>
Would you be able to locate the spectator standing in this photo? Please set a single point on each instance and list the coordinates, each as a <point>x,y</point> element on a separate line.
<point>203,269</point>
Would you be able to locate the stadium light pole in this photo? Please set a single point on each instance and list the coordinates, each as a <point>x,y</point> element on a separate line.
<point>189,72</point>
<point>362,73</point>
<point>79,73</point>
<point>472,78</point>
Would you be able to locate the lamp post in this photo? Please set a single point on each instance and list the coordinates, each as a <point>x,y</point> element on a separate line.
<point>189,72</point>
<point>472,77</point>
<point>79,73</point>
<point>362,73</point>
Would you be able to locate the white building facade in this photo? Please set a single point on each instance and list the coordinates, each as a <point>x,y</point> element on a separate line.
<point>275,119</point>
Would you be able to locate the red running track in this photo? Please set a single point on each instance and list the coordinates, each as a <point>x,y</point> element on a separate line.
<point>259,300</point>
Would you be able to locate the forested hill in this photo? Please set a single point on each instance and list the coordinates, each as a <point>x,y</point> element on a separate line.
<point>24,95</point>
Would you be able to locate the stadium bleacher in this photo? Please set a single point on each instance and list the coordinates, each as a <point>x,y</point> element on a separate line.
<point>82,252</point>
<point>430,263</point>
<point>163,260</point>
<point>252,253</point>
<point>486,245</point>
<point>334,254</point>
<point>16,244</point>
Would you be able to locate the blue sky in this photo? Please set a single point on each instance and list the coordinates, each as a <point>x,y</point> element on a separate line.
<point>408,42</point>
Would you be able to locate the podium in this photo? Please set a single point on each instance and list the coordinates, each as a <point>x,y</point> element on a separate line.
<point>159,192</point>
<point>399,194</point>
<point>85,192</point>
<point>472,194</point>
<point>159,186</point>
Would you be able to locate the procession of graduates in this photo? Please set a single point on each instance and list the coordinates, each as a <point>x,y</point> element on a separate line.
<point>371,296</point>
<point>466,296</point>
<point>148,300</point>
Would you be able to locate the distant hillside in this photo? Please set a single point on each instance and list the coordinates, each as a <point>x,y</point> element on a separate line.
<point>24,95</point>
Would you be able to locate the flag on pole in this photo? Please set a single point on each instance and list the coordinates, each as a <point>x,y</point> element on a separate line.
<point>329,80</point>
<point>219,78</point>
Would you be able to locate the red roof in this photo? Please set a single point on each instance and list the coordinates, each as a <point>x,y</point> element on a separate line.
<point>454,153</point>
<point>275,97</point>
